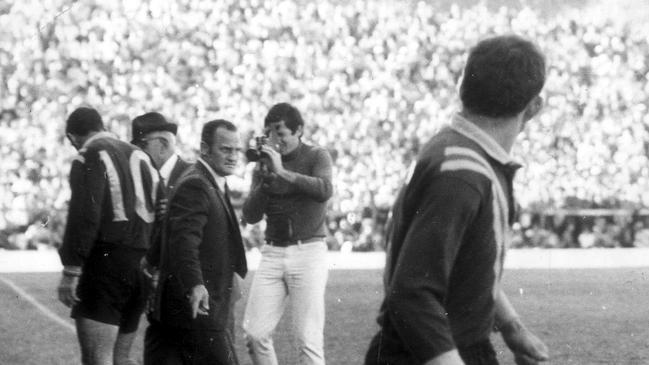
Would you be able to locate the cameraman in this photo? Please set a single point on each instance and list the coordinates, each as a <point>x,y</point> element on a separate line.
<point>291,185</point>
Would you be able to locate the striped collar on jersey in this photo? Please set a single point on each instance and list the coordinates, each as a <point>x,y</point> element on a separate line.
<point>463,158</point>
<point>488,144</point>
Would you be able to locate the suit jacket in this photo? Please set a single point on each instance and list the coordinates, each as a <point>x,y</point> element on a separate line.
<point>153,254</point>
<point>180,167</point>
<point>203,245</point>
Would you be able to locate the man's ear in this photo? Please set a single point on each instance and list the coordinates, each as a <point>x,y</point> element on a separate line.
<point>299,131</point>
<point>205,149</point>
<point>533,108</point>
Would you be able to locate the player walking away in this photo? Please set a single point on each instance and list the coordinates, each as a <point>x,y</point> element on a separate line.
<point>108,230</point>
<point>443,293</point>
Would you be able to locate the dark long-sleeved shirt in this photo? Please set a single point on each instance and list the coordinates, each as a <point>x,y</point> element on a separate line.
<point>446,252</point>
<point>112,201</point>
<point>297,210</point>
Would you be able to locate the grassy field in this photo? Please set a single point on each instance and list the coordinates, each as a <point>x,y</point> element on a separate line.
<point>585,316</point>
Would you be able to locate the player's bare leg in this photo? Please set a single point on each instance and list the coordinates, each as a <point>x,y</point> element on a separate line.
<point>97,341</point>
<point>123,346</point>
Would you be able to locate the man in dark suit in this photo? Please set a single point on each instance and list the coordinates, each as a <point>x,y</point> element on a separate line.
<point>202,252</point>
<point>157,137</point>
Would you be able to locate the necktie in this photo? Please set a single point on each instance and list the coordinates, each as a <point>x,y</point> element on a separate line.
<point>226,194</point>
<point>226,191</point>
<point>240,267</point>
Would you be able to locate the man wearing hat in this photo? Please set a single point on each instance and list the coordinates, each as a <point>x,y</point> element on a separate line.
<point>157,137</point>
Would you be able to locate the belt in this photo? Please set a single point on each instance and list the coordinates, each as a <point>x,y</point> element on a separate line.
<point>293,242</point>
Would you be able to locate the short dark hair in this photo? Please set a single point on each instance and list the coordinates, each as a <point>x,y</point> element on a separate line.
<point>286,112</point>
<point>502,75</point>
<point>207,134</point>
<point>83,121</point>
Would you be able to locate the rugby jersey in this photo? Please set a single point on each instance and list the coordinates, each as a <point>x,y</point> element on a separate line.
<point>113,198</point>
<point>451,226</point>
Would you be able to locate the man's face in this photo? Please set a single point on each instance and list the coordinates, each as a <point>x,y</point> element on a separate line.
<point>282,136</point>
<point>223,154</point>
<point>155,145</point>
<point>75,141</point>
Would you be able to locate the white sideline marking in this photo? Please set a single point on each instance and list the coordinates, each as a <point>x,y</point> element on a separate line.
<point>524,258</point>
<point>48,313</point>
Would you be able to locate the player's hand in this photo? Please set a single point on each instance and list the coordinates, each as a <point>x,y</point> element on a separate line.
<point>199,300</point>
<point>527,348</point>
<point>263,177</point>
<point>150,272</point>
<point>68,290</point>
<point>274,159</point>
<point>161,208</point>
<point>447,358</point>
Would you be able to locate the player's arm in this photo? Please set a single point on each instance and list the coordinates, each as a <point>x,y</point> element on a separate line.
<point>188,211</point>
<point>255,204</point>
<point>87,184</point>
<point>527,348</point>
<point>419,284</point>
<point>318,185</point>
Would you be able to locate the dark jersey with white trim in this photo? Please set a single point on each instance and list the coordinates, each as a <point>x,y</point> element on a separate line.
<point>446,251</point>
<point>113,198</point>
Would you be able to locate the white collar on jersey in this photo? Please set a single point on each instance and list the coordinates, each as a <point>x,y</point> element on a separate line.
<point>96,136</point>
<point>473,132</point>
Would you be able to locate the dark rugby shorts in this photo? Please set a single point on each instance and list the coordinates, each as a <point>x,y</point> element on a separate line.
<point>112,288</point>
<point>480,353</point>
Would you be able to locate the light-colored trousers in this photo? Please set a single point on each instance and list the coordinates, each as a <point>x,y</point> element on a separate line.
<point>295,275</point>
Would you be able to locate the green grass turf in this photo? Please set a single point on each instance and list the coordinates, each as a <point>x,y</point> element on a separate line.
<point>585,317</point>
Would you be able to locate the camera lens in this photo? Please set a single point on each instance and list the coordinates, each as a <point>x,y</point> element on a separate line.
<point>253,154</point>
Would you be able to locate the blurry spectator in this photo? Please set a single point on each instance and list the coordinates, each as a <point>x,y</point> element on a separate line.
<point>372,74</point>
<point>253,235</point>
<point>568,234</point>
<point>641,234</point>
<point>587,238</point>
<point>604,235</point>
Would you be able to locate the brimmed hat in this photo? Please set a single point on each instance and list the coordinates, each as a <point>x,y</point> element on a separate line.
<point>150,122</point>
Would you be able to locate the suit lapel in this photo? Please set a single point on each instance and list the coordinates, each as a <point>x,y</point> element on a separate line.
<point>180,166</point>
<point>220,195</point>
<point>239,257</point>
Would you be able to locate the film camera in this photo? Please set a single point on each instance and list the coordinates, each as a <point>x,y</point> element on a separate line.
<point>254,154</point>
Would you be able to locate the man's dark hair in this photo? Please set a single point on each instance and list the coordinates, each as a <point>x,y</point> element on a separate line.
<point>286,112</point>
<point>207,134</point>
<point>83,121</point>
<point>502,75</point>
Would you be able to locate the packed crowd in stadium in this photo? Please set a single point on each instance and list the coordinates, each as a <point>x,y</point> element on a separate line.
<point>374,80</point>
